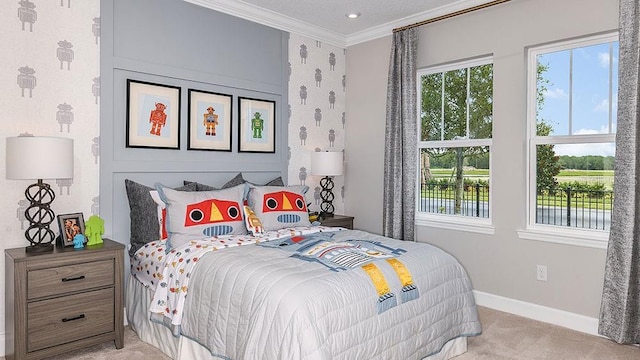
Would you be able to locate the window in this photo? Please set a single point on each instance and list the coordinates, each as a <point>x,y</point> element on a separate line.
<point>456,117</point>
<point>572,101</point>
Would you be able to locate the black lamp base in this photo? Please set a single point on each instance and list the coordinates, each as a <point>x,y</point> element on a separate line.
<point>327,197</point>
<point>40,216</point>
<point>39,248</point>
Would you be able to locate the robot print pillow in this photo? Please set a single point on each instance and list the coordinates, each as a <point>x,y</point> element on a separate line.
<point>279,207</point>
<point>204,213</point>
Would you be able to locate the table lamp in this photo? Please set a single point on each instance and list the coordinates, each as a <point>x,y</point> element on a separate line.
<point>36,158</point>
<point>326,164</point>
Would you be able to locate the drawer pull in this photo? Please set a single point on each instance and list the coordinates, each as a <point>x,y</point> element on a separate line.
<point>81,316</point>
<point>73,278</point>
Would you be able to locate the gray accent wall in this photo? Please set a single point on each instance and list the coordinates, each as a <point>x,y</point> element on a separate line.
<point>180,44</point>
<point>501,264</point>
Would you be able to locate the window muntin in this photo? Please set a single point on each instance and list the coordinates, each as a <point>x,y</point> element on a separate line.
<point>456,119</point>
<point>572,121</point>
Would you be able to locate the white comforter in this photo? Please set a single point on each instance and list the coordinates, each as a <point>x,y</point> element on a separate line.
<point>257,302</point>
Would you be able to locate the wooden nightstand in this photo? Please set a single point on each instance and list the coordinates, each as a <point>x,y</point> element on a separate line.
<point>64,300</point>
<point>338,220</point>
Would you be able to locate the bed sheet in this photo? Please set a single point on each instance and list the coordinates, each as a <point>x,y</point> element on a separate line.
<point>274,300</point>
<point>138,297</point>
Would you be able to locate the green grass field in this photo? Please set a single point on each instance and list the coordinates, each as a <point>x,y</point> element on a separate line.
<point>587,176</point>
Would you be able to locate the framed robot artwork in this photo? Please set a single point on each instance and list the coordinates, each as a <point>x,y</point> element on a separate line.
<point>257,130</point>
<point>209,125</point>
<point>153,115</point>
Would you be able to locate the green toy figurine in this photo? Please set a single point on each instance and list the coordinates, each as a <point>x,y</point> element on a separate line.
<point>94,228</point>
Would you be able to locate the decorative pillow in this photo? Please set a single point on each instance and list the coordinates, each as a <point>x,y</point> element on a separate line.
<point>143,212</point>
<point>162,213</point>
<point>275,182</point>
<point>237,180</point>
<point>252,221</point>
<point>202,214</point>
<point>200,187</point>
<point>279,207</point>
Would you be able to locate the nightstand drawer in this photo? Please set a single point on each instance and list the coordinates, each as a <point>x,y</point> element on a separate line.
<point>338,221</point>
<point>69,318</point>
<point>64,279</point>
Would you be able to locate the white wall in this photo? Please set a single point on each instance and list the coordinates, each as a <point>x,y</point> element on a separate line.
<point>501,264</point>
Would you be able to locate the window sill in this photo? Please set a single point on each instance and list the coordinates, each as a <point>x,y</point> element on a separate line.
<point>480,226</point>
<point>598,239</point>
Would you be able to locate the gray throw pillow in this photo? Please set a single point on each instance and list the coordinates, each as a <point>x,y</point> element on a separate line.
<point>199,186</point>
<point>143,212</point>
<point>237,180</point>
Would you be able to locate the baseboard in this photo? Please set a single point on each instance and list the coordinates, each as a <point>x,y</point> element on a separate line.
<point>537,312</point>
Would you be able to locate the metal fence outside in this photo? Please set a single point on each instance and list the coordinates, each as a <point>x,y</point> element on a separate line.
<point>568,207</point>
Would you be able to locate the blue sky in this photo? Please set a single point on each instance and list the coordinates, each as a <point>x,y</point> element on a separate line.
<point>590,95</point>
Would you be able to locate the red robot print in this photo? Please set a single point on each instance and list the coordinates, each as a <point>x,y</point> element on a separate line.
<point>283,201</point>
<point>157,119</point>
<point>212,211</point>
<point>289,204</point>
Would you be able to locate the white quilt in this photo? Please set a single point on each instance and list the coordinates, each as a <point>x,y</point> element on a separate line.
<point>260,302</point>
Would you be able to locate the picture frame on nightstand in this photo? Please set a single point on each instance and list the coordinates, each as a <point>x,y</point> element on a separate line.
<point>70,225</point>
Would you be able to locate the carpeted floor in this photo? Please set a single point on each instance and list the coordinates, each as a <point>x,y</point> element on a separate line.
<point>504,336</point>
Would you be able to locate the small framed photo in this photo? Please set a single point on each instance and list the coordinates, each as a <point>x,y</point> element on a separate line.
<point>70,225</point>
<point>209,125</point>
<point>257,125</point>
<point>153,115</point>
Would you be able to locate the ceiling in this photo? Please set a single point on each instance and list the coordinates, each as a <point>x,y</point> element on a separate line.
<point>326,20</point>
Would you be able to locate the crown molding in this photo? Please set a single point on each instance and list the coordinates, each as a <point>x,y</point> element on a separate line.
<point>383,30</point>
<point>276,20</point>
<point>272,19</point>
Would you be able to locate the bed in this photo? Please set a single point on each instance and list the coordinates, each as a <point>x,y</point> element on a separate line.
<point>299,291</point>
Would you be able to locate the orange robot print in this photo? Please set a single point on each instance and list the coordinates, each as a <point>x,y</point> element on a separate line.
<point>157,119</point>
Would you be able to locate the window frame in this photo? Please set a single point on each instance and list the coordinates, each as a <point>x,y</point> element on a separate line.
<point>447,221</point>
<point>593,238</point>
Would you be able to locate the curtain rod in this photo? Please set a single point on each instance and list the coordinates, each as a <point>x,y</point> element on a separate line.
<point>453,14</point>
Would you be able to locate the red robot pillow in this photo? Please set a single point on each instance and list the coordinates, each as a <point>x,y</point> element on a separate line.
<point>200,214</point>
<point>279,207</point>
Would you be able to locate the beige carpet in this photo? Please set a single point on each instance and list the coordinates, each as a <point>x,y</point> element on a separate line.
<point>504,336</point>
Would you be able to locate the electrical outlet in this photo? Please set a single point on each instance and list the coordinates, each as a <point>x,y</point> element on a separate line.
<point>541,272</point>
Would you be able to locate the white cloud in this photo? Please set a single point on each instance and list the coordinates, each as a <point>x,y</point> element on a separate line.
<point>603,106</point>
<point>603,149</point>
<point>604,129</point>
<point>556,93</point>
<point>603,59</point>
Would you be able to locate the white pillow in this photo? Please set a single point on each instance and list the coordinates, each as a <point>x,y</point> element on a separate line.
<point>202,214</point>
<point>162,211</point>
<point>279,207</point>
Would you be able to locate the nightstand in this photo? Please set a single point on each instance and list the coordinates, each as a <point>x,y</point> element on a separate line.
<point>64,300</point>
<point>338,220</point>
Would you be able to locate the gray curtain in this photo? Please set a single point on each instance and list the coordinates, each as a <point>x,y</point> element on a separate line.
<point>620,310</point>
<point>400,147</point>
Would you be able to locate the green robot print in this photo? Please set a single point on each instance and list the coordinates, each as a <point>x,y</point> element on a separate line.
<point>257,125</point>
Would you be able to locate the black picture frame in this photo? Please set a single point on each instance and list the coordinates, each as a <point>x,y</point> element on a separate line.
<point>250,140</point>
<point>216,137</point>
<point>153,115</point>
<point>67,224</point>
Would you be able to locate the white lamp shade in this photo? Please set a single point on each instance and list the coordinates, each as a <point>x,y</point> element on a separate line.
<point>326,163</point>
<point>39,157</point>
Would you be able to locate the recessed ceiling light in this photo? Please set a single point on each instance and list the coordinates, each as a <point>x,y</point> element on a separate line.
<point>352,15</point>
